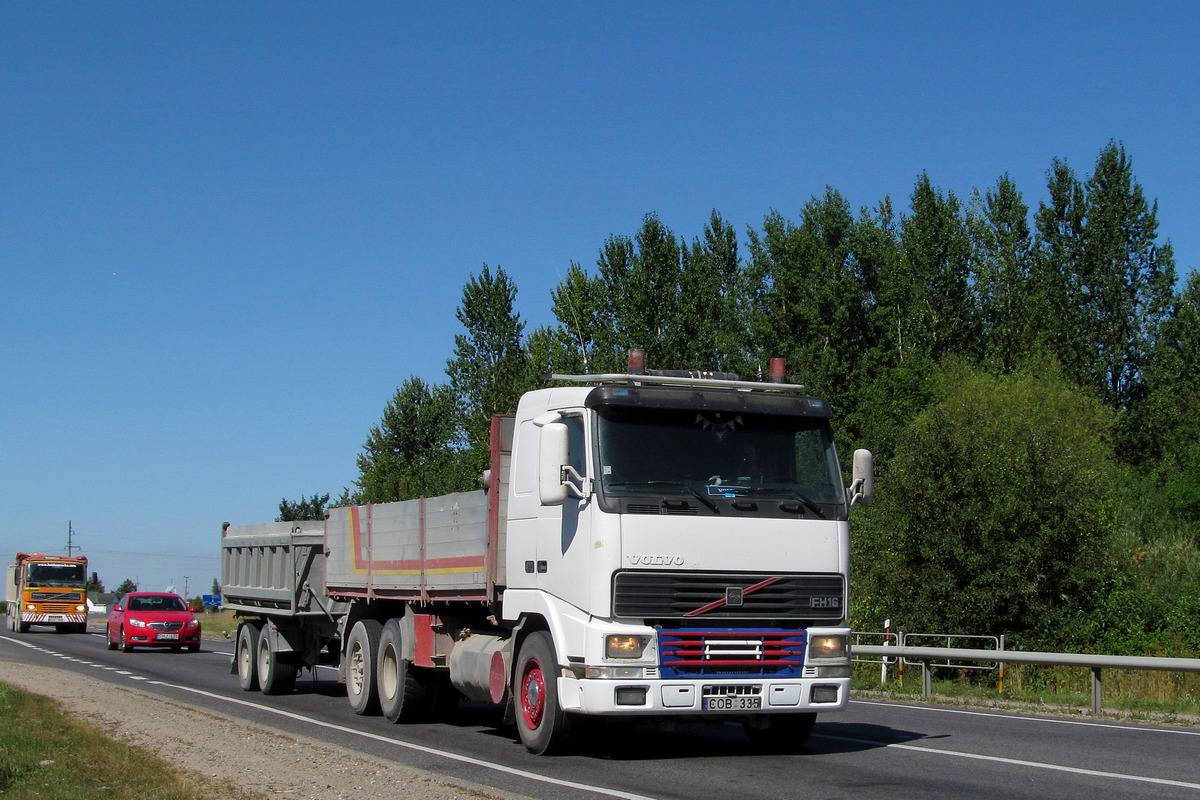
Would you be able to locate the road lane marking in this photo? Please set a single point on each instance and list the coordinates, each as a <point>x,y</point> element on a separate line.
<point>1012,761</point>
<point>1005,715</point>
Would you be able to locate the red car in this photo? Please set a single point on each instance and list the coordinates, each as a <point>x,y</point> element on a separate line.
<point>152,619</point>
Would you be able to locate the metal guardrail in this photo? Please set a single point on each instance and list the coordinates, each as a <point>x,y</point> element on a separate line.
<point>927,655</point>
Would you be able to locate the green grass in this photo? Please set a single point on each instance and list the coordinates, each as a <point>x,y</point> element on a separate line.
<point>47,755</point>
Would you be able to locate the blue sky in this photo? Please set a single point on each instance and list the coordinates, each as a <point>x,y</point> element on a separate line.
<point>229,231</point>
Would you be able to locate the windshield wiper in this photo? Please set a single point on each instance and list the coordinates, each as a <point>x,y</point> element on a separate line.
<point>687,486</point>
<point>808,503</point>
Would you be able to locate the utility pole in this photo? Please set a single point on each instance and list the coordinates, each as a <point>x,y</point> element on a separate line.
<point>70,537</point>
<point>185,587</point>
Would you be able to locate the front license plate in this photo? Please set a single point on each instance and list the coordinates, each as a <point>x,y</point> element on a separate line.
<point>732,703</point>
<point>56,618</point>
<point>168,637</point>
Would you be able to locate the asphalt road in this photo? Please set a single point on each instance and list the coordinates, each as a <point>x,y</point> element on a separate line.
<point>874,749</point>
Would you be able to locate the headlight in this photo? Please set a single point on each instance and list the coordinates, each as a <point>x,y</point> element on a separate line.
<point>81,608</point>
<point>620,645</point>
<point>827,648</point>
<point>30,607</point>
<point>193,623</point>
<point>137,623</point>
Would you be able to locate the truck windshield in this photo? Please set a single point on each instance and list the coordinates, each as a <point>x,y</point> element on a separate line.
<point>61,575</point>
<point>717,454</point>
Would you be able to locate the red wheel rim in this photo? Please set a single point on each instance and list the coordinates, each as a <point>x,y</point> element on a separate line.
<point>533,695</point>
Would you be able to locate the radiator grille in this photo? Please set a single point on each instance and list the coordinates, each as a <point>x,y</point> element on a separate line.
<point>707,596</point>
<point>729,652</point>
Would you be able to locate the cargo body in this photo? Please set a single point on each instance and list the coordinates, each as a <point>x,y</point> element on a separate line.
<point>47,590</point>
<point>656,547</point>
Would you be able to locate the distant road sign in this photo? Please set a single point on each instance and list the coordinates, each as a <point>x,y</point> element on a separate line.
<point>211,600</point>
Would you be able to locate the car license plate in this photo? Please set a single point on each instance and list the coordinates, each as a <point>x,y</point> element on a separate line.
<point>56,617</point>
<point>170,637</point>
<point>732,703</point>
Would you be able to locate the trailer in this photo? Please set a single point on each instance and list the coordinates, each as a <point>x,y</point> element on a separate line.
<point>647,546</point>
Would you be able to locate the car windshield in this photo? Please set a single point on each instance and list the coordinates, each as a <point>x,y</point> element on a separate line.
<point>717,454</point>
<point>156,603</point>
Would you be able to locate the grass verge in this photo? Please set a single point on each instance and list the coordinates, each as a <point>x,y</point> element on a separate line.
<point>48,755</point>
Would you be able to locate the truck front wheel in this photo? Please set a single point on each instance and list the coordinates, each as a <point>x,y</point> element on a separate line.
<point>362,650</point>
<point>541,722</point>
<point>247,647</point>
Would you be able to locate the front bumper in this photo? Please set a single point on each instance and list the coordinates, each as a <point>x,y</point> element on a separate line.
<point>687,696</point>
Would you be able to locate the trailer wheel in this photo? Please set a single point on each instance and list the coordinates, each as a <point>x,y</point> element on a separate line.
<point>402,695</point>
<point>541,722</point>
<point>780,734</point>
<point>247,646</point>
<point>362,649</point>
<point>275,675</point>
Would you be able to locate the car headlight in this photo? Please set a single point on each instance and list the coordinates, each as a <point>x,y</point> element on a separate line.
<point>137,623</point>
<point>827,648</point>
<point>193,623</point>
<point>619,645</point>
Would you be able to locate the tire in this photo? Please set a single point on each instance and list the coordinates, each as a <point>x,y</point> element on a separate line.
<point>275,675</point>
<point>22,627</point>
<point>244,656</point>
<point>108,635</point>
<point>362,651</point>
<point>126,647</point>
<point>541,722</point>
<point>194,648</point>
<point>784,734</point>
<point>402,695</point>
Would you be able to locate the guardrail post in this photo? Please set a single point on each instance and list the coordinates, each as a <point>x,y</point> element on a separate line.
<point>926,680</point>
<point>1096,686</point>
<point>1001,664</point>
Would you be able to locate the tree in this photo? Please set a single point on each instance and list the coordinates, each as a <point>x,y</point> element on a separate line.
<point>1003,254</point>
<point>488,367</point>
<point>1104,277</point>
<point>216,588</point>
<point>304,509</point>
<point>414,451</point>
<point>125,588</point>
<point>997,510</point>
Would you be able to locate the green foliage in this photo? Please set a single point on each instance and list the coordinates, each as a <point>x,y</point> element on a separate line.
<point>125,588</point>
<point>415,450</point>
<point>306,508</point>
<point>996,511</point>
<point>94,583</point>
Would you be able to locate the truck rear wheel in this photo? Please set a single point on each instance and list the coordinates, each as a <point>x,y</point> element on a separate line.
<point>402,695</point>
<point>541,722</point>
<point>275,675</point>
<point>781,733</point>
<point>362,651</point>
<point>247,647</point>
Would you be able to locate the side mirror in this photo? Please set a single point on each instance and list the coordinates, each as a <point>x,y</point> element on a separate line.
<point>552,456</point>
<point>862,489</point>
<point>118,608</point>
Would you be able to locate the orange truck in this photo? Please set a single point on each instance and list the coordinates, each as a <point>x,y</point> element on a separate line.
<point>47,590</point>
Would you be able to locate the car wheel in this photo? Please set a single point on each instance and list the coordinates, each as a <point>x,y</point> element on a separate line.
<point>247,646</point>
<point>126,647</point>
<point>194,648</point>
<point>275,675</point>
<point>362,649</point>
<point>112,645</point>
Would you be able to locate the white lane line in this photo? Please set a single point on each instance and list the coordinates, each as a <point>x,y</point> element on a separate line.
<point>1005,715</point>
<point>1014,761</point>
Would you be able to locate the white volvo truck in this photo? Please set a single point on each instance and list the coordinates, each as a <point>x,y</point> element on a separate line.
<point>650,545</point>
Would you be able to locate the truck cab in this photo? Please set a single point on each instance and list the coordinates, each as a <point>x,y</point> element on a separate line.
<point>678,545</point>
